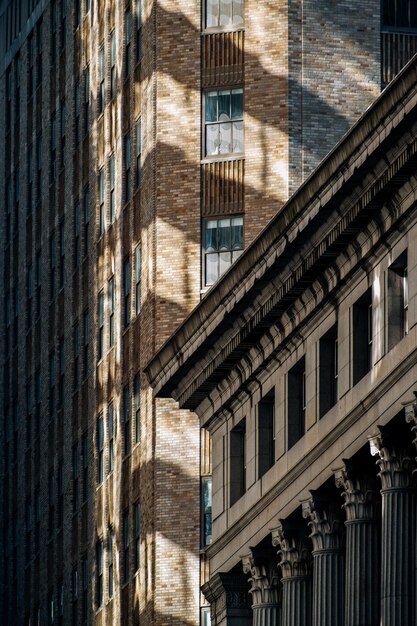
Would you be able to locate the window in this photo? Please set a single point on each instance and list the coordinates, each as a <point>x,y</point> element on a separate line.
<point>125,546</point>
<point>112,208</point>
<point>112,65</point>
<point>76,348</point>
<point>100,449</point>
<point>399,13</point>
<point>110,417</point>
<point>328,370</point>
<point>137,407</point>
<point>127,155</point>
<point>266,434</point>
<point>75,477</point>
<point>101,201</point>
<point>126,418</point>
<point>111,311</point>
<point>362,336</point>
<point>53,146</point>
<point>37,401</point>
<point>128,36</point>
<point>84,442</point>
<point>224,121</point>
<point>38,270</point>
<point>29,295</point>
<point>28,524</point>
<point>77,13</point>
<point>29,408</point>
<point>61,254</point>
<point>136,514</point>
<point>100,338</point>
<point>223,244</point>
<point>84,572</point>
<point>61,365</point>
<point>86,207</point>
<point>52,264</point>
<point>51,508</point>
<point>110,562</point>
<point>77,247</point>
<point>39,166</point>
<point>63,125</point>
<point>126,282</point>
<point>53,29</point>
<point>101,83</point>
<point>37,515</point>
<point>85,346</point>
<point>138,153</point>
<point>224,13</point>
<point>52,383</point>
<point>63,24</point>
<point>138,270</point>
<point>237,461</point>
<point>138,30</point>
<point>205,616</point>
<point>206,514</point>
<point>86,99</point>
<point>296,402</point>
<point>30,179</point>
<point>397,305</point>
<point>99,572</point>
<point>77,98</point>
<point>60,494</point>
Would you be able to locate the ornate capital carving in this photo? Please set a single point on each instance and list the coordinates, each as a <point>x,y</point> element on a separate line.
<point>294,551</point>
<point>262,567</point>
<point>324,515</point>
<point>411,415</point>
<point>393,460</point>
<point>359,492</point>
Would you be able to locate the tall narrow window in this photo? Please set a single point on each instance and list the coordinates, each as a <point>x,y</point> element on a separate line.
<point>266,434</point>
<point>126,418</point>
<point>110,560</point>
<point>84,442</point>
<point>137,407</point>
<point>75,478</point>
<point>86,211</point>
<point>101,83</point>
<point>224,121</point>
<point>138,30</point>
<point>63,131</point>
<point>128,37</point>
<point>38,270</point>
<point>136,519</point>
<point>76,348</point>
<point>61,253</point>
<point>29,295</point>
<point>53,146</point>
<point>110,417</point>
<point>112,199</point>
<point>100,337</point>
<point>223,244</point>
<point>60,494</point>
<point>397,305</point>
<point>77,98</point>
<point>100,449</point>
<point>37,402</point>
<point>77,247</point>
<point>99,572</point>
<point>225,13</point>
<point>127,156</point>
<point>296,402</point>
<point>101,218</point>
<point>138,153</point>
<point>138,271</point>
<point>328,370</point>
<point>52,264</point>
<point>362,336</point>
<point>84,572</point>
<point>125,546</point>
<point>112,65</point>
<point>51,507</point>
<point>399,14</point>
<point>126,282</point>
<point>86,101</point>
<point>206,511</point>
<point>86,343</point>
<point>237,461</point>
<point>37,516</point>
<point>111,311</point>
<point>52,383</point>
<point>61,365</point>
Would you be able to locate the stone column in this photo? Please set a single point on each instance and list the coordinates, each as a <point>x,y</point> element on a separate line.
<point>228,595</point>
<point>398,530</point>
<point>362,570</point>
<point>262,567</point>
<point>324,514</point>
<point>411,418</point>
<point>295,564</point>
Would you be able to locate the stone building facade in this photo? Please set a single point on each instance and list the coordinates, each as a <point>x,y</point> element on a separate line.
<point>301,363</point>
<point>133,132</point>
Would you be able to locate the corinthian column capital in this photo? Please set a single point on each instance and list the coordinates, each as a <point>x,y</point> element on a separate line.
<point>411,415</point>
<point>324,515</point>
<point>359,492</point>
<point>263,576</point>
<point>393,459</point>
<point>294,551</point>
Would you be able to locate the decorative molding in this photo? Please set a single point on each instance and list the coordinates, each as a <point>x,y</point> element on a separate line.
<point>294,551</point>
<point>324,515</point>
<point>359,492</point>
<point>264,580</point>
<point>394,462</point>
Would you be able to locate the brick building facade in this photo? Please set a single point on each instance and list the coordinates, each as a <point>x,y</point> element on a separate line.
<point>136,135</point>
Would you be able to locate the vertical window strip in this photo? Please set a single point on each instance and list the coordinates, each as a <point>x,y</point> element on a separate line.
<point>110,559</point>
<point>137,535</point>
<point>111,311</point>
<point>138,272</point>
<point>126,546</point>
<point>101,202</point>
<point>112,200</point>
<point>110,427</point>
<point>138,153</point>
<point>126,418</point>
<point>126,275</point>
<point>100,449</point>
<point>137,407</point>
<point>100,338</point>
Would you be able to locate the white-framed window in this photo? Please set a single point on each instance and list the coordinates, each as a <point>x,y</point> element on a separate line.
<point>223,121</point>
<point>223,244</point>
<point>223,13</point>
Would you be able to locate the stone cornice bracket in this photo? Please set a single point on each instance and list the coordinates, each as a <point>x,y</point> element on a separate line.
<point>294,551</point>
<point>226,590</point>
<point>324,515</point>
<point>359,492</point>
<point>264,580</point>
<point>393,460</point>
<point>411,415</point>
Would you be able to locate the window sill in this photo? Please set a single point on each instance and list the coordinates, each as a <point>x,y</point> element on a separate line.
<point>231,156</point>
<point>214,30</point>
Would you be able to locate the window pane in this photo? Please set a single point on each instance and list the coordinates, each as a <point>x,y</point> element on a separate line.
<point>237,103</point>
<point>211,236</point>
<point>225,12</point>
<point>413,14</point>
<point>211,268</point>
<point>237,145</point>
<point>211,106</point>
<point>389,12</point>
<point>224,106</point>
<point>212,139</point>
<point>237,233</point>
<point>225,261</point>
<point>236,254</point>
<point>402,13</point>
<point>237,12</point>
<point>212,12</point>
<point>224,234</point>
<point>225,138</point>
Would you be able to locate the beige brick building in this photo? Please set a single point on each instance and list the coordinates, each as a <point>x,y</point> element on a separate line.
<point>145,144</point>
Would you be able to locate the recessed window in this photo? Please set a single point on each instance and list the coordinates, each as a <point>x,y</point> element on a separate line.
<point>125,531</point>
<point>362,336</point>
<point>100,337</point>
<point>223,243</point>
<point>224,121</point>
<point>399,13</point>
<point>110,434</point>
<point>99,572</point>
<point>266,438</point>
<point>100,449</point>
<point>137,407</point>
<point>126,418</point>
<point>136,519</point>
<point>101,202</point>
<point>206,511</point>
<point>296,402</point>
<point>328,370</point>
<point>237,461</point>
<point>111,311</point>
<point>112,65</point>
<point>101,84</point>
<point>138,271</point>
<point>112,199</point>
<point>126,282</point>
<point>110,559</point>
<point>397,305</point>
<point>224,13</point>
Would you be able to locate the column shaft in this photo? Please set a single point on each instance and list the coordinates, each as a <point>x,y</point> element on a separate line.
<point>296,601</point>
<point>327,588</point>
<point>266,615</point>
